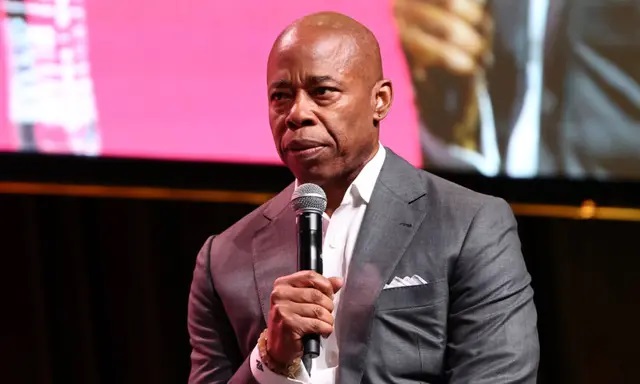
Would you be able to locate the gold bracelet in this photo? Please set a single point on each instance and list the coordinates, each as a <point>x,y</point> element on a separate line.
<point>289,370</point>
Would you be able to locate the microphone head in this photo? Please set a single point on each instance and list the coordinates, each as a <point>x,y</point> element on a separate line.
<point>309,198</point>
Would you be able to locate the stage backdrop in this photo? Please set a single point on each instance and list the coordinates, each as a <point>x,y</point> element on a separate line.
<point>554,94</point>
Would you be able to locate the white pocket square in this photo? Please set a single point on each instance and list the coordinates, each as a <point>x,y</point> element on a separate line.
<point>405,282</point>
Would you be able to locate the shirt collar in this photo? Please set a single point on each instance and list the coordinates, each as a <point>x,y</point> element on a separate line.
<point>361,188</point>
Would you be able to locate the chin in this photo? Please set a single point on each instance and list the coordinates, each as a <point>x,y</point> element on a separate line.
<point>315,175</point>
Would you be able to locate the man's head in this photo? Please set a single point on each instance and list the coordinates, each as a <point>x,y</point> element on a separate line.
<point>326,97</point>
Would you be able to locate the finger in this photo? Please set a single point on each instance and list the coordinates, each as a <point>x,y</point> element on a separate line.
<point>428,51</point>
<point>471,11</point>
<point>286,293</point>
<point>307,326</point>
<point>445,25</point>
<point>292,321</point>
<point>336,283</point>
<point>308,279</point>
<point>312,311</point>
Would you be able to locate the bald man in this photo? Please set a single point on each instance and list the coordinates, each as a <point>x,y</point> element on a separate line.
<point>423,281</point>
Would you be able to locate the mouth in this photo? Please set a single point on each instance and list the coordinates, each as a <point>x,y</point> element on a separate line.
<point>306,152</point>
<point>304,148</point>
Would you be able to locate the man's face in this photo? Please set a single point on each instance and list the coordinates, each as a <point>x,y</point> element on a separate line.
<point>321,107</point>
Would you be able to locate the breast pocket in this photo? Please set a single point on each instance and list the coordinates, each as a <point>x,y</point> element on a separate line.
<point>412,296</point>
<point>409,331</point>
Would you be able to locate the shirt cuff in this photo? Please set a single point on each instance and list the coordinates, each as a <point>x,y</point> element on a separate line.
<point>264,375</point>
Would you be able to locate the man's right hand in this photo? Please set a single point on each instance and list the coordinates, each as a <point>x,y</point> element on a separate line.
<point>448,34</point>
<point>301,304</point>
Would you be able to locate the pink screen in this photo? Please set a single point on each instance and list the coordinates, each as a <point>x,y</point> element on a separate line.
<point>185,79</point>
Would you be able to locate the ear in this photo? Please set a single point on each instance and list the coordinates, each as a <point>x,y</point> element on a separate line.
<point>382,100</point>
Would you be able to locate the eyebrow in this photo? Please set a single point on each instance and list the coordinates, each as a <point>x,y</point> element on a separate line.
<point>313,80</point>
<point>321,79</point>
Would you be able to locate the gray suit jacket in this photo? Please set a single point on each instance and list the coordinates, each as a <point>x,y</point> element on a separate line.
<point>474,322</point>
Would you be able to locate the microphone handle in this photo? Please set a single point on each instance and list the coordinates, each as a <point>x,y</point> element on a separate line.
<point>310,258</point>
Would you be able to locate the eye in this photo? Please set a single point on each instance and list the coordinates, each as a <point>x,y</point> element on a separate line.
<point>278,96</point>
<point>322,91</point>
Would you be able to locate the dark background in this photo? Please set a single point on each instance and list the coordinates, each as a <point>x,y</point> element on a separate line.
<point>94,289</point>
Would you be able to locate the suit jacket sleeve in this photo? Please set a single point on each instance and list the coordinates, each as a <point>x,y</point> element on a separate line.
<point>215,355</point>
<point>492,335</point>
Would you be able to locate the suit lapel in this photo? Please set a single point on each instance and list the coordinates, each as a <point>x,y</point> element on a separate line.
<point>274,247</point>
<point>393,216</point>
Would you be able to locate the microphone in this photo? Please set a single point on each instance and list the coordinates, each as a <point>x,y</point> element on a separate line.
<point>309,202</point>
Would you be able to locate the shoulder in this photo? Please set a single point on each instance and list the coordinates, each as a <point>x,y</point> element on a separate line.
<point>252,222</point>
<point>450,207</point>
<point>449,194</point>
<point>464,209</point>
<point>237,240</point>
<point>442,196</point>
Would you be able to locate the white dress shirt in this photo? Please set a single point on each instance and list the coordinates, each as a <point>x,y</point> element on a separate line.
<point>339,241</point>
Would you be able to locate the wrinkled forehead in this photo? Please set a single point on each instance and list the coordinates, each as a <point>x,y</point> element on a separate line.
<point>321,53</point>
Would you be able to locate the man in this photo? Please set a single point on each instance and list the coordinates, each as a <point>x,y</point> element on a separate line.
<point>526,88</point>
<point>424,281</point>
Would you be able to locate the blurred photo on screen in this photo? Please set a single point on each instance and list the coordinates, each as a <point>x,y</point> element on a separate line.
<point>527,88</point>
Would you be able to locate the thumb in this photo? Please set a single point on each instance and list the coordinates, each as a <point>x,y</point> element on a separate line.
<point>336,283</point>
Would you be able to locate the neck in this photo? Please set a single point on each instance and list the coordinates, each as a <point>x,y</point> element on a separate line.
<point>335,189</point>
<point>335,193</point>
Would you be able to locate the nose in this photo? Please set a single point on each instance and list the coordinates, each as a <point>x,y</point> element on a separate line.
<point>301,112</point>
